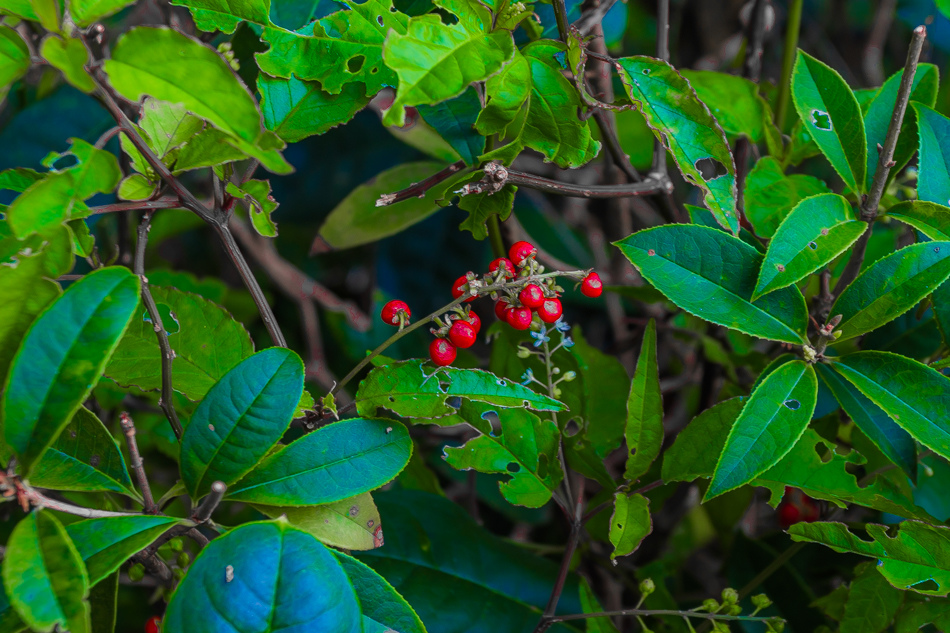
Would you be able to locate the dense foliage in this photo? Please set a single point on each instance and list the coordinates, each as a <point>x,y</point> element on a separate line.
<point>701,385</point>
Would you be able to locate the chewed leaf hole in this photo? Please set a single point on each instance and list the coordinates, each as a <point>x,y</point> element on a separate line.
<point>455,402</point>
<point>926,585</point>
<point>812,245</point>
<point>354,63</point>
<point>646,71</point>
<point>513,467</point>
<point>792,404</point>
<point>494,421</point>
<point>821,119</point>
<point>710,168</point>
<point>379,20</point>
<point>572,428</point>
<point>169,319</point>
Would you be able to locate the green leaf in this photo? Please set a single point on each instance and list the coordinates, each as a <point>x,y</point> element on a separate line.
<point>352,523</point>
<point>712,275</point>
<point>436,61</point>
<point>61,358</point>
<point>917,553</point>
<point>879,112</point>
<point>172,67</point>
<point>644,430</point>
<point>242,416</point>
<point>44,576</point>
<point>816,231</point>
<point>225,15</point>
<point>102,603</point>
<point>913,395</point>
<point>136,187</point>
<point>891,286</point>
<point>590,604</point>
<point>687,129</point>
<point>295,109</point>
<point>197,364</point>
<point>505,93</point>
<point>210,148</point>
<point>482,206</point>
<point>83,457</point>
<point>445,558</point>
<point>933,220</point>
<point>85,12</point>
<point>525,447</point>
<point>872,603</point>
<point>915,616</point>
<point>630,523</point>
<point>14,58</point>
<point>454,120</point>
<point>105,544</point>
<point>734,101</point>
<point>334,462</point>
<point>357,220</point>
<point>264,577</point>
<point>770,424</point>
<point>260,204</point>
<point>831,115</point>
<point>896,444</point>
<point>70,56</point>
<point>26,291</point>
<point>694,453</point>
<point>342,48</point>
<point>167,127</point>
<point>933,169</point>
<point>770,195</point>
<point>379,601</point>
<point>405,389</point>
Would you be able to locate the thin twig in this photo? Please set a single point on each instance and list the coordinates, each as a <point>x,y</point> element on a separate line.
<point>663,53</point>
<point>106,136</point>
<point>654,183</point>
<point>420,188</point>
<point>42,501</point>
<point>145,205</point>
<point>577,528</point>
<point>874,51</point>
<point>136,463</point>
<point>208,505</point>
<point>592,17</point>
<point>671,612</point>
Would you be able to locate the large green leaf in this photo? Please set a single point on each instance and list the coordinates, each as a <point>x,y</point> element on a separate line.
<point>197,364</point>
<point>524,447</point>
<point>629,524</point>
<point>295,109</point>
<point>405,389</point>
<point>14,57</point>
<point>933,169</point>
<point>378,600</point>
<point>894,442</point>
<point>105,544</point>
<point>335,462</point>
<point>916,554</point>
<point>61,358</point>
<point>698,446</point>
<point>505,94</point>
<point>644,430</point>
<point>44,576</point>
<point>264,577</point>
<point>225,15</point>
<point>687,129</point>
<point>877,118</point>
<point>915,396</point>
<point>240,419</point>
<point>891,286</point>
<point>83,457</point>
<point>352,523</point>
<point>832,116</point>
<point>734,101</point>
<point>770,195</point>
<point>358,220</point>
<point>770,424</point>
<point>712,274</point>
<point>342,48</point>
<point>26,291</point>
<point>436,555</point>
<point>872,602</point>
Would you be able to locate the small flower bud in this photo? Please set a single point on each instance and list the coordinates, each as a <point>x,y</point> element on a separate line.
<point>775,626</point>
<point>710,604</point>
<point>136,572</point>
<point>730,596</point>
<point>647,586</point>
<point>183,559</point>
<point>569,376</point>
<point>523,352</point>
<point>761,601</point>
<point>175,545</point>
<point>734,610</point>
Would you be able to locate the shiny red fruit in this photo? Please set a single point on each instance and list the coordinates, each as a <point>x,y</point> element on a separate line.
<point>504,263</point>
<point>592,286</point>
<point>460,287</point>
<point>550,310</point>
<point>519,318</point>
<point>501,308</point>
<point>475,321</point>
<point>519,251</point>
<point>391,310</point>
<point>462,334</point>
<point>153,625</point>
<point>442,352</point>
<point>531,296</point>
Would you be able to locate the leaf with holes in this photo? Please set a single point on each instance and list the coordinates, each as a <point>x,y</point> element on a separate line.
<point>334,462</point>
<point>770,424</point>
<point>931,219</point>
<point>61,358</point>
<point>890,287</point>
<point>107,543</point>
<point>193,324</point>
<point>712,275</point>
<point>407,390</point>
<point>687,129</point>
<point>352,523</point>
<point>816,231</point>
<point>644,430</point>
<point>770,195</point>
<point>240,419</point>
<point>379,601</point>
<point>832,116</point>
<point>525,447</point>
<point>266,576</point>
<point>630,523</point>
<point>454,120</point>
<point>295,109</point>
<point>918,553</point>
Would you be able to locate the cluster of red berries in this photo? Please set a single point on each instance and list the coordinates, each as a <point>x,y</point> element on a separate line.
<point>153,625</point>
<point>516,307</point>
<point>797,507</point>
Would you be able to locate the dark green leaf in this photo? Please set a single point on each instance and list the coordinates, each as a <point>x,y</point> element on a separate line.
<point>454,120</point>
<point>698,446</point>
<point>295,109</point>
<point>352,524</point>
<point>770,195</point>
<point>378,600</point>
<point>644,431</point>
<point>240,419</point>
<point>872,603</point>
<point>590,604</point>
<point>630,523</point>
<point>61,358</point>
<point>102,602</point>
<point>482,206</point>
<point>105,544</point>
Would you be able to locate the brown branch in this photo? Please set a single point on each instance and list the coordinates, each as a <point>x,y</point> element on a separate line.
<point>145,205</point>
<point>42,501</point>
<point>136,463</point>
<point>420,188</point>
<point>874,51</point>
<point>577,528</point>
<point>500,176</point>
<point>208,505</point>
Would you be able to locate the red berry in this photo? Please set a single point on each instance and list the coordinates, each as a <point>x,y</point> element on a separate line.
<point>442,352</point>
<point>788,514</point>
<point>505,263</point>
<point>391,310</point>
<point>592,286</point>
<point>462,334</point>
<point>519,251</point>
<point>501,307</point>
<point>460,287</point>
<point>153,624</point>
<point>519,318</point>
<point>475,321</point>
<point>550,310</point>
<point>531,296</point>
